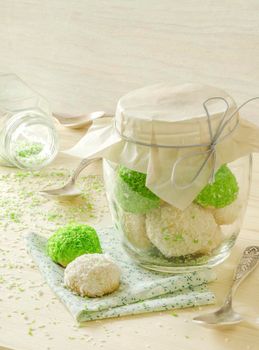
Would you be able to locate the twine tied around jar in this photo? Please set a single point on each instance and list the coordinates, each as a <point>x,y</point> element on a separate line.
<point>209,153</point>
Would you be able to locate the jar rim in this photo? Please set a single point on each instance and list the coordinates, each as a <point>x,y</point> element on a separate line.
<point>26,118</point>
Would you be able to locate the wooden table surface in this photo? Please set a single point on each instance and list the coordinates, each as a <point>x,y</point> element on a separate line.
<point>83,55</point>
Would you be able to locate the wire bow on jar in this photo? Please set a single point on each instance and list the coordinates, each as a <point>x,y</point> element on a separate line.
<point>205,158</point>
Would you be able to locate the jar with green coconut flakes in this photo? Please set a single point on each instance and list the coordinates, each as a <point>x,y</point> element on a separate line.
<point>177,168</point>
<point>28,138</point>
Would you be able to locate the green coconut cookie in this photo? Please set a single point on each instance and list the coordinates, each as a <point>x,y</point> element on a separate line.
<point>132,194</point>
<point>222,192</point>
<point>71,241</point>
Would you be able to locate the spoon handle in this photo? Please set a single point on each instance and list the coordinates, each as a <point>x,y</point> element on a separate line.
<point>247,263</point>
<point>82,165</point>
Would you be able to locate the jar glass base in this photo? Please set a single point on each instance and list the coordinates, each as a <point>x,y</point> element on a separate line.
<point>181,264</point>
<point>163,238</point>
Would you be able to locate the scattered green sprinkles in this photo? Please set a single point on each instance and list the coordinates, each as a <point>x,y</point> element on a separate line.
<point>19,195</point>
<point>22,207</point>
<point>14,217</point>
<point>29,149</point>
<point>23,210</point>
<point>54,216</point>
<point>30,154</point>
<point>178,237</point>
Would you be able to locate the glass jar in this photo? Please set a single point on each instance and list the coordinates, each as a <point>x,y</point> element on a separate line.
<point>177,169</point>
<point>161,237</point>
<point>28,138</point>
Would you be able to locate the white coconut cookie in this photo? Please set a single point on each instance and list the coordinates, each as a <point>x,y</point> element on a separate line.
<point>228,214</point>
<point>175,232</point>
<point>134,228</point>
<point>92,275</point>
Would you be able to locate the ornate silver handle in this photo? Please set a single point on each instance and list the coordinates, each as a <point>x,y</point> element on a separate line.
<point>247,264</point>
<point>82,165</point>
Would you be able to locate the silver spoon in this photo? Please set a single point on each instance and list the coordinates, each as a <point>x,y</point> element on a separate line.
<point>76,122</point>
<point>226,316</point>
<point>69,190</point>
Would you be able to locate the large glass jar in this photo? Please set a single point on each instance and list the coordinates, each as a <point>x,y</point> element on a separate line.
<point>161,237</point>
<point>177,170</point>
<point>28,138</point>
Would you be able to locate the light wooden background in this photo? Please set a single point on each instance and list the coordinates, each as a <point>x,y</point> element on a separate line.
<point>83,55</point>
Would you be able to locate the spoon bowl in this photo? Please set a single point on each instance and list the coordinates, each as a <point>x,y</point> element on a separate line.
<point>69,190</point>
<point>219,318</point>
<point>226,316</point>
<point>80,121</point>
<point>66,192</point>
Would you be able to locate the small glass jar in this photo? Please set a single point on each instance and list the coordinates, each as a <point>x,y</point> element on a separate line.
<point>161,237</point>
<point>28,138</point>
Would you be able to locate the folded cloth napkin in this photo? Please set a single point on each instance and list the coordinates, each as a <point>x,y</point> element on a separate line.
<point>140,290</point>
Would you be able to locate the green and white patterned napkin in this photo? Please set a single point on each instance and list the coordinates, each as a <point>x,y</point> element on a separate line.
<point>140,290</point>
